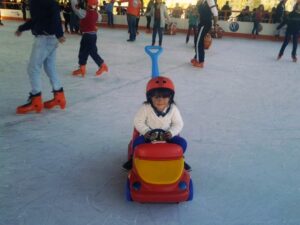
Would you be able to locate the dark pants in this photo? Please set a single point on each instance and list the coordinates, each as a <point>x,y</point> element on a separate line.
<point>194,28</point>
<point>24,14</point>
<point>203,29</point>
<point>110,18</point>
<point>148,22</point>
<point>74,22</point>
<point>137,24</point>
<point>286,41</point>
<point>67,21</point>
<point>88,47</point>
<point>255,27</point>
<point>175,140</point>
<point>159,30</point>
<point>131,20</point>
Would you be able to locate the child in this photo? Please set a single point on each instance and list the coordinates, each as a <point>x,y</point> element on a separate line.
<point>293,28</point>
<point>159,14</point>
<point>159,112</point>
<point>88,20</point>
<point>193,22</point>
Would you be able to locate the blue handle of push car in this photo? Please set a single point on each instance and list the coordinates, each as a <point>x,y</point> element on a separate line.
<point>154,58</point>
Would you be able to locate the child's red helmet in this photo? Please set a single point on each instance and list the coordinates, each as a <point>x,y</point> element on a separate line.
<point>160,82</point>
<point>92,3</point>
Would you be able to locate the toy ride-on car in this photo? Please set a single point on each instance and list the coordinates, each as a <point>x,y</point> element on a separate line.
<point>158,173</point>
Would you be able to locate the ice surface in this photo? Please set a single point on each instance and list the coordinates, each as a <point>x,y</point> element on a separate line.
<point>242,124</point>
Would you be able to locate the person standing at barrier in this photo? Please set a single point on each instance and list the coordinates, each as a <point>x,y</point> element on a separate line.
<point>1,24</point>
<point>133,11</point>
<point>293,28</point>
<point>279,15</point>
<point>23,7</point>
<point>206,9</point>
<point>159,15</point>
<point>45,25</point>
<point>257,18</point>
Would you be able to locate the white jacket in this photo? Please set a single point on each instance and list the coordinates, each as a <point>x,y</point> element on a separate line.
<point>146,120</point>
<point>163,15</point>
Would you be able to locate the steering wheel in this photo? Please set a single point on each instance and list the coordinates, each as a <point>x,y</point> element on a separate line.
<point>157,135</point>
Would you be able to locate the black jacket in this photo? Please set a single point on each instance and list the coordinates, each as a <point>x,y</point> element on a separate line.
<point>45,18</point>
<point>293,23</point>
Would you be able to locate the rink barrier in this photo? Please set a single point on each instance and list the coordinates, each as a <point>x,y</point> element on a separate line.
<point>120,21</point>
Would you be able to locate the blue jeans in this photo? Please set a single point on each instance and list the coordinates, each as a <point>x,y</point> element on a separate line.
<point>43,53</point>
<point>159,30</point>
<point>175,140</point>
<point>131,20</point>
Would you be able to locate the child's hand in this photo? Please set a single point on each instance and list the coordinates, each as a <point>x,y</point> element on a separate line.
<point>147,135</point>
<point>167,135</point>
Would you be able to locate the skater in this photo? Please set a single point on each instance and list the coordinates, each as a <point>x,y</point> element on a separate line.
<point>109,10</point>
<point>206,9</point>
<point>192,15</point>
<point>159,16</point>
<point>67,16</point>
<point>45,25</point>
<point>133,11</point>
<point>159,112</point>
<point>148,15</point>
<point>293,28</point>
<point>88,20</point>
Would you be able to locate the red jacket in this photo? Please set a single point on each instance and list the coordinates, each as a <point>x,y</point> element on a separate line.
<point>134,7</point>
<point>88,23</point>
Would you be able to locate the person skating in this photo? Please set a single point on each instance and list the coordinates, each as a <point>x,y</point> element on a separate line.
<point>292,31</point>
<point>159,112</point>
<point>206,9</point>
<point>159,16</point>
<point>45,25</point>
<point>133,11</point>
<point>88,19</point>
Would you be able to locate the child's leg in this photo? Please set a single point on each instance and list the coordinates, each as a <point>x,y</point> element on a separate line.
<point>94,51</point>
<point>179,141</point>
<point>139,140</point>
<point>84,49</point>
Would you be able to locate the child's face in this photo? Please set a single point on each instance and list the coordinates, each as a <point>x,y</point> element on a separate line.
<point>160,102</point>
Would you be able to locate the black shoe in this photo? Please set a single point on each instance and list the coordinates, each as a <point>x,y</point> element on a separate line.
<point>130,40</point>
<point>128,165</point>
<point>187,167</point>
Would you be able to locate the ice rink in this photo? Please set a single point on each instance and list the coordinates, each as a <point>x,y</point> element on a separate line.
<point>242,124</point>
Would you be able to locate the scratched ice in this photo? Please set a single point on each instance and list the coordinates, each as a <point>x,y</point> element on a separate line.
<point>242,124</point>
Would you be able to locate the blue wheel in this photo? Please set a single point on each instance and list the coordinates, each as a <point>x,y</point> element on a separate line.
<point>128,194</point>
<point>191,191</point>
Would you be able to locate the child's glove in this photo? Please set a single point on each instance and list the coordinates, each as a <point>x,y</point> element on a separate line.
<point>167,135</point>
<point>147,136</point>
